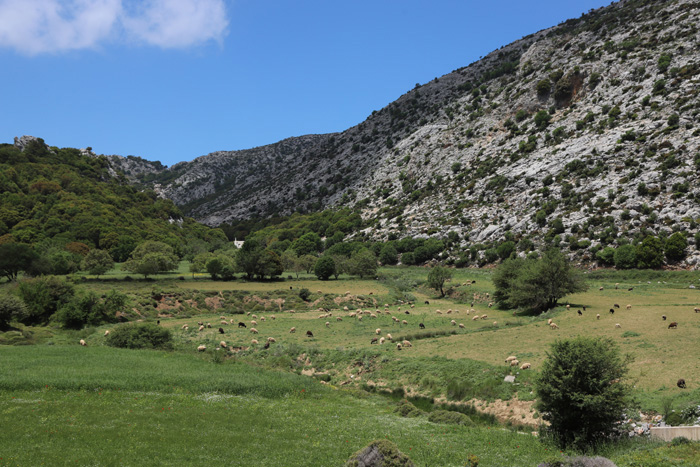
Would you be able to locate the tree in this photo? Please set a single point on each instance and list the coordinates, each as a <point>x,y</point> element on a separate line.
<point>581,390</point>
<point>307,244</point>
<point>249,257</point>
<point>15,257</point>
<point>151,258</point>
<point>97,262</point>
<point>437,278</point>
<point>214,267</point>
<point>650,253</point>
<point>43,296</point>
<point>270,264</point>
<point>292,262</point>
<point>505,249</point>
<point>625,257</point>
<point>325,268</point>
<point>11,308</point>
<point>363,263</point>
<point>537,284</point>
<point>675,247</point>
<point>308,262</point>
<point>388,255</point>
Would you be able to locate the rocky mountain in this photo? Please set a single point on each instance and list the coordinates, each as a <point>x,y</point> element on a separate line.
<point>584,133</point>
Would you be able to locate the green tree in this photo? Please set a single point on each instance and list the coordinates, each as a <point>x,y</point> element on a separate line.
<point>97,262</point>
<point>11,308</point>
<point>89,309</point>
<point>625,257</point>
<point>650,253</point>
<point>308,262</point>
<point>542,119</point>
<point>307,244</point>
<point>43,296</point>
<point>214,267</point>
<point>325,268</point>
<point>249,257</point>
<point>437,277</point>
<point>675,247</point>
<point>363,263</point>
<point>151,257</point>
<point>388,255</point>
<point>292,262</point>
<point>505,249</point>
<point>14,258</point>
<point>581,390</point>
<point>270,264</point>
<point>537,284</point>
<point>606,256</point>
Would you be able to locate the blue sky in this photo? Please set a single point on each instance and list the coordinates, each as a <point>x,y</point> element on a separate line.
<point>171,80</point>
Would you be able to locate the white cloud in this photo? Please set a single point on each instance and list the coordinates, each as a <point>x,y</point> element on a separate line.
<point>45,26</point>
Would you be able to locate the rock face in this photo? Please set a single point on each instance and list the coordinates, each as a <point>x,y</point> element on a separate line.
<point>578,135</point>
<point>22,141</point>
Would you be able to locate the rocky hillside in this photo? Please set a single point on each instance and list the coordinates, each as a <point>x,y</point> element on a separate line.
<point>579,134</point>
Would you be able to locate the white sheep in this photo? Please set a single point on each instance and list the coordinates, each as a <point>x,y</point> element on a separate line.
<point>253,323</point>
<point>449,311</point>
<point>381,340</point>
<point>107,333</point>
<point>597,316</point>
<point>617,325</point>
<point>511,358</point>
<point>254,316</point>
<point>372,315</point>
<point>453,323</point>
<point>338,318</point>
<point>184,326</point>
<point>404,322</point>
<point>388,337</point>
<point>461,325</point>
<point>549,321</point>
<point>475,317</point>
<point>293,330</point>
<point>629,307</point>
<point>407,344</point>
<point>83,343</point>
<point>271,340</point>
<point>222,344</point>
<point>377,331</point>
<point>495,323</point>
<point>254,341</point>
<point>202,348</point>
<point>223,317</point>
<point>253,330</point>
<point>398,346</point>
<point>484,316</point>
<point>273,317</point>
<point>208,325</point>
<point>201,328</point>
<point>525,366</point>
<point>514,363</point>
<point>553,326</point>
<point>352,315</point>
<point>328,324</point>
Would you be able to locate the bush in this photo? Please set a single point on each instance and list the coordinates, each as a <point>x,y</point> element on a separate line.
<point>542,119</point>
<point>581,392</point>
<point>449,417</point>
<point>675,247</point>
<point>11,308</point>
<point>606,256</point>
<point>650,253</point>
<point>140,336</point>
<point>43,296</point>
<point>325,268</point>
<point>406,409</point>
<point>304,294</point>
<point>543,87</point>
<point>625,257</point>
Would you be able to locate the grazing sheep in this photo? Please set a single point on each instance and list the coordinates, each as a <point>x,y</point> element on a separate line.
<point>453,323</point>
<point>421,325</point>
<point>389,338</point>
<point>616,305</point>
<point>568,307</point>
<point>309,334</point>
<point>231,320</point>
<point>612,311</point>
<point>254,341</point>
<point>449,311</point>
<point>673,325</point>
<point>511,358</point>
<point>328,324</point>
<point>221,330</point>
<point>697,310</point>
<point>629,307</point>
<point>525,366</point>
<point>461,326</point>
<point>199,323</point>
<point>223,322</point>
<point>663,317</point>
<point>83,343</point>
<point>223,317</point>
<point>580,313</point>
<point>584,308</point>
<point>398,346</point>
<point>514,363</point>
<point>273,317</point>
<point>495,323</point>
<point>484,316</point>
<point>490,304</point>
<point>438,312</point>
<point>184,326</point>
<point>241,324</point>
<point>381,340</point>
<point>404,322</point>
<point>377,331</point>
<point>372,315</point>
<point>248,313</point>
<point>616,285</point>
<point>597,316</point>
<point>427,302</point>
<point>412,306</point>
<point>553,326</point>
<point>222,344</point>
<point>293,330</point>
<point>475,317</point>
<point>352,315</point>
<point>407,344</point>
<point>208,325</point>
<point>630,289</point>
<point>262,318</point>
<point>374,340</point>
<point>549,321</point>
<point>253,330</point>
<point>600,288</point>
<point>202,348</point>
<point>107,333</point>
<point>201,328</point>
<point>271,340</point>
<point>618,325</point>
<point>681,383</point>
<point>359,318</point>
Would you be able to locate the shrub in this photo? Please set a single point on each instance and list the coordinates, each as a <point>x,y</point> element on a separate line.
<point>625,257</point>
<point>43,296</point>
<point>449,417</point>
<point>675,247</point>
<point>325,268</point>
<point>542,119</point>
<point>606,256</point>
<point>11,308</point>
<point>650,253</point>
<point>406,409</point>
<point>140,336</point>
<point>304,294</point>
<point>544,87</point>
<point>581,392</point>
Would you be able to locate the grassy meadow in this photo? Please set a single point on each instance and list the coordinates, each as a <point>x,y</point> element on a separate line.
<point>316,400</point>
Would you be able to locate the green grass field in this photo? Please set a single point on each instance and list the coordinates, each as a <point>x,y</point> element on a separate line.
<point>63,404</point>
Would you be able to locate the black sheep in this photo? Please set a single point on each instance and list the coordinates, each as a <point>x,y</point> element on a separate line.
<point>580,313</point>
<point>612,311</point>
<point>221,330</point>
<point>374,340</point>
<point>421,325</point>
<point>681,383</point>
<point>427,302</point>
<point>309,334</point>
<point>616,305</point>
<point>241,324</point>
